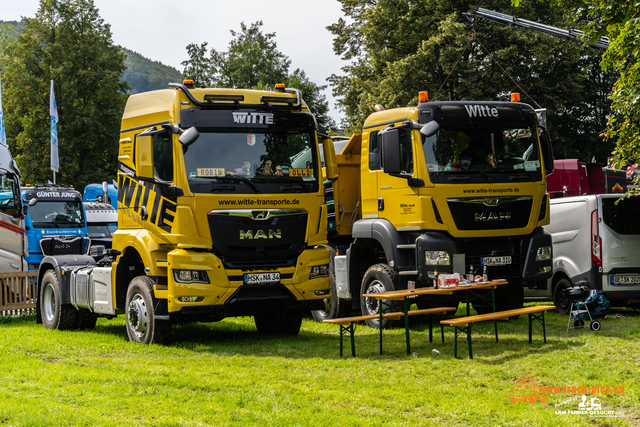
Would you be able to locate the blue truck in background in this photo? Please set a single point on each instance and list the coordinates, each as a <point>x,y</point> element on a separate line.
<point>95,193</point>
<point>55,222</point>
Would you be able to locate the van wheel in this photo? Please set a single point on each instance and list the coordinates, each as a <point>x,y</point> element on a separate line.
<point>378,278</point>
<point>142,325</point>
<point>54,314</point>
<point>560,300</point>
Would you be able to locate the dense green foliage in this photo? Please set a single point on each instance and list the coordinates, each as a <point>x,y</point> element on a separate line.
<point>398,48</point>
<point>143,74</point>
<point>227,374</point>
<point>620,21</point>
<point>69,43</point>
<point>254,61</point>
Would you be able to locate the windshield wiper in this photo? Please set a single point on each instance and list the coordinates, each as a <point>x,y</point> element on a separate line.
<point>464,178</point>
<point>300,183</point>
<point>241,179</point>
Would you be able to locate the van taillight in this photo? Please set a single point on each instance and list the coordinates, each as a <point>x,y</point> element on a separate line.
<point>596,242</point>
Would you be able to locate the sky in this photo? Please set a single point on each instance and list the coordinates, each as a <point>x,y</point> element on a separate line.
<point>161,29</point>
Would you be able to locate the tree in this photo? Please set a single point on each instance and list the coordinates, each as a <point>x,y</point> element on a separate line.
<point>398,48</point>
<point>68,42</point>
<point>619,21</point>
<point>253,61</point>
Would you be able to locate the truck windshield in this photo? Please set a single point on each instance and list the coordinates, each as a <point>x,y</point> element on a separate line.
<point>260,159</point>
<point>482,151</point>
<point>56,214</point>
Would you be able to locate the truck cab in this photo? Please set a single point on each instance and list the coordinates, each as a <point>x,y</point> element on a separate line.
<point>12,236</point>
<point>55,222</point>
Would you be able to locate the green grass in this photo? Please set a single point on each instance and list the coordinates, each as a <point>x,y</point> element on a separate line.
<point>227,374</point>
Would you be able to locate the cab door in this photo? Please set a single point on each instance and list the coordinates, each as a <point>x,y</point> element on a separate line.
<point>397,200</point>
<point>12,235</point>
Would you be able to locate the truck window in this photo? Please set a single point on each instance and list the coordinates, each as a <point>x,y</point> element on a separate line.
<point>623,216</point>
<point>8,190</point>
<point>163,156</point>
<point>483,149</point>
<point>406,151</point>
<point>56,214</point>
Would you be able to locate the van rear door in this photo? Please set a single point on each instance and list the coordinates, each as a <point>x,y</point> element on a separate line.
<point>619,229</point>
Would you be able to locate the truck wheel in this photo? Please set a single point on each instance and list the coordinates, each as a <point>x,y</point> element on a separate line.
<point>86,319</point>
<point>142,326</point>
<point>283,322</point>
<point>378,278</point>
<point>54,314</point>
<point>560,300</point>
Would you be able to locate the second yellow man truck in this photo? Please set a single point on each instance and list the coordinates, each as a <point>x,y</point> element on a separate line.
<point>221,213</point>
<point>442,187</point>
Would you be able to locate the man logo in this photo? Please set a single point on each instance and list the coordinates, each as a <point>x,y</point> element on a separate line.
<point>260,234</point>
<point>260,214</point>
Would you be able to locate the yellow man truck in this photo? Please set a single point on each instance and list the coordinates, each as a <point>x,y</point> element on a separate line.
<point>443,187</point>
<point>221,213</point>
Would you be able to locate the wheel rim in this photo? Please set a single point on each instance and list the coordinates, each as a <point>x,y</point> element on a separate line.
<point>49,302</point>
<point>137,318</point>
<point>372,304</point>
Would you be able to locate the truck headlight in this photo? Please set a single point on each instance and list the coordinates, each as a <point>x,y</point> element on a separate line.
<point>190,276</point>
<point>544,253</point>
<point>437,258</point>
<point>319,271</point>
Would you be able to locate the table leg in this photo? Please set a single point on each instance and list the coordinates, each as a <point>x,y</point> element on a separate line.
<point>469,340</point>
<point>380,324</point>
<point>406,324</point>
<point>530,318</point>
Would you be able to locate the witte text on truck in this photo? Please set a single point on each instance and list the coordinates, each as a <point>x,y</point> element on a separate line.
<point>218,216</point>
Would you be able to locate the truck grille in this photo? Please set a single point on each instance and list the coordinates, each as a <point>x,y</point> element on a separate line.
<point>489,213</point>
<point>64,245</point>
<point>257,235</point>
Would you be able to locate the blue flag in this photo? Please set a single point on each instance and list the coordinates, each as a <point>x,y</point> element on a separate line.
<point>53,112</point>
<point>3,135</point>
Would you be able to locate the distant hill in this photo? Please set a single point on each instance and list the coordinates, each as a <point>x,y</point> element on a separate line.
<point>144,75</point>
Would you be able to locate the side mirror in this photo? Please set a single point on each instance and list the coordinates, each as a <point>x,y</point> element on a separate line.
<point>430,129</point>
<point>389,143</point>
<point>330,162</point>
<point>33,202</point>
<point>189,136</point>
<point>144,156</point>
<point>547,150</point>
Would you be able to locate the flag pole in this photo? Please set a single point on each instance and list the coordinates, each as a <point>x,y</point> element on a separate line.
<point>3,135</point>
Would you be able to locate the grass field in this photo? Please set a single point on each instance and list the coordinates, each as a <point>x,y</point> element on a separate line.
<point>227,374</point>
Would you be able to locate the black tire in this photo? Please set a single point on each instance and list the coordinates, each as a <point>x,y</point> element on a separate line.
<point>86,320</point>
<point>378,278</point>
<point>283,322</point>
<point>334,307</point>
<point>54,314</point>
<point>508,297</point>
<point>595,325</point>
<point>141,323</point>
<point>560,300</point>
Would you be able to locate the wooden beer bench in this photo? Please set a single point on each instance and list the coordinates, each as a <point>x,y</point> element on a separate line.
<point>347,324</point>
<point>463,324</point>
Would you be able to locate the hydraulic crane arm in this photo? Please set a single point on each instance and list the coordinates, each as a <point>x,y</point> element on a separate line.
<point>571,34</point>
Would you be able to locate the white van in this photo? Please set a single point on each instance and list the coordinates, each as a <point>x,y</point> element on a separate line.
<point>596,242</point>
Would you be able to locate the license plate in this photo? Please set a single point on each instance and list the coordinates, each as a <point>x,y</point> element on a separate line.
<point>496,260</point>
<point>625,280</point>
<point>253,278</point>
